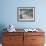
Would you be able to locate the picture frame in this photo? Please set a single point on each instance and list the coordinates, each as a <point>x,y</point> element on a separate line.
<point>26,14</point>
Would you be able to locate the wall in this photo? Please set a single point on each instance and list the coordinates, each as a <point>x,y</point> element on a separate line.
<point>9,13</point>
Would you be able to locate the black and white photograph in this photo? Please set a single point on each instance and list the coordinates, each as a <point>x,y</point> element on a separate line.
<point>26,13</point>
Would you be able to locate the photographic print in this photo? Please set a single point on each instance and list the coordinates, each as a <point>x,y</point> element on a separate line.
<point>26,14</point>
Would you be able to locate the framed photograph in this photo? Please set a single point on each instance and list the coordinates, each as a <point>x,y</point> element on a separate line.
<point>26,14</point>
